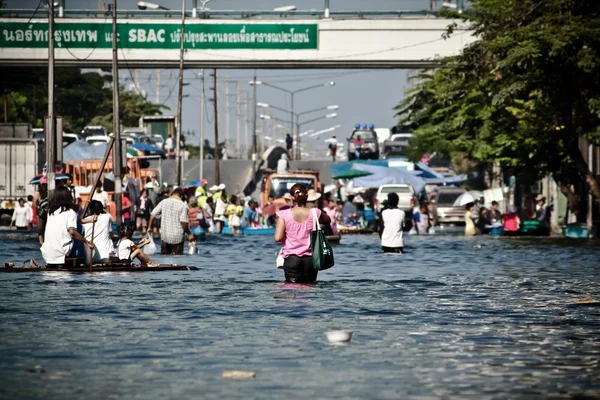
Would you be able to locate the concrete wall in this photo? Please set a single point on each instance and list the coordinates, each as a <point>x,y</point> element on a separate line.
<point>237,175</point>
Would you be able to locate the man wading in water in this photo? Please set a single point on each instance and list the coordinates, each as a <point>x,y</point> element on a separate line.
<point>293,231</point>
<point>173,213</point>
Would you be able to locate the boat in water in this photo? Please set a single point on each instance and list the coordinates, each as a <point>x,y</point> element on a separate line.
<point>106,267</point>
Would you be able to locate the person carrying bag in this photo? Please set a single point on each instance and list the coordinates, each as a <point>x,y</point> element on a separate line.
<point>293,229</point>
<point>322,252</point>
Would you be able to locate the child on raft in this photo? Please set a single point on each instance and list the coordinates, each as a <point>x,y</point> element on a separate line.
<point>128,251</point>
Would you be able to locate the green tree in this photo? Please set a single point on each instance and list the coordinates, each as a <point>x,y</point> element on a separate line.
<point>132,106</point>
<point>522,95</point>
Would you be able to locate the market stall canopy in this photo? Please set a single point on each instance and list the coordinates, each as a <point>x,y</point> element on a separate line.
<point>338,169</point>
<point>351,174</point>
<point>80,150</point>
<point>386,176</point>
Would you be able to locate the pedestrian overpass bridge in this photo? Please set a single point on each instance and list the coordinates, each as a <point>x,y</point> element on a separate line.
<point>219,39</point>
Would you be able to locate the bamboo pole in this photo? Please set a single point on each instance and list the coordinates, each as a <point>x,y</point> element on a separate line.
<point>99,174</point>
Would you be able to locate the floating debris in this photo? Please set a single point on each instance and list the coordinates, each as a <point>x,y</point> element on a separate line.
<point>284,296</point>
<point>338,336</point>
<point>476,246</point>
<point>239,374</point>
<point>587,300</point>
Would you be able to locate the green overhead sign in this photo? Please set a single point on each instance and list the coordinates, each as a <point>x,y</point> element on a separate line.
<point>161,36</point>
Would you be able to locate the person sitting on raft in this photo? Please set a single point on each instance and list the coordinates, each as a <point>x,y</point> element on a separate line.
<point>61,229</point>
<point>128,251</point>
<point>293,232</point>
<point>100,224</point>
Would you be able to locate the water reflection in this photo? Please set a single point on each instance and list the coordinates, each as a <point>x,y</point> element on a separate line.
<point>443,320</point>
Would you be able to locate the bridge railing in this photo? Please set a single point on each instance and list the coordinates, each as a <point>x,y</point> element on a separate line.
<point>221,14</point>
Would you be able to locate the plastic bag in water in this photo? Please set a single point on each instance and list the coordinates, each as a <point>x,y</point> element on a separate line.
<point>192,250</point>
<point>150,248</point>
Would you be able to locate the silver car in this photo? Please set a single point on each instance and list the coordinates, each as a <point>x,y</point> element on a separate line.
<point>446,212</point>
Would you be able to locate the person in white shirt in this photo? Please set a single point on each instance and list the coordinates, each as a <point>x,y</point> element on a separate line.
<point>391,234</point>
<point>61,229</point>
<point>207,209</point>
<point>282,164</point>
<point>128,251</point>
<point>100,223</point>
<point>102,197</point>
<point>22,216</point>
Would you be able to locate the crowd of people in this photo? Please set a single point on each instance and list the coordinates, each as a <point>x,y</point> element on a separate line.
<point>480,219</point>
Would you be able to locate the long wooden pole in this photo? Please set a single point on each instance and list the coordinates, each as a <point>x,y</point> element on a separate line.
<point>117,167</point>
<point>217,150</point>
<point>92,250</point>
<point>99,175</point>
<point>180,100</point>
<point>50,131</point>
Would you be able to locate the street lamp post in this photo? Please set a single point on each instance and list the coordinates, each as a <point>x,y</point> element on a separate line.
<point>297,123</point>
<point>142,5</point>
<point>292,93</point>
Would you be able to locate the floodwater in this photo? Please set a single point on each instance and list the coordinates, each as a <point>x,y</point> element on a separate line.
<point>455,317</point>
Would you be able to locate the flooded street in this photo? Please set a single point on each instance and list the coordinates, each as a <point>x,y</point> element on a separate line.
<point>454,317</point>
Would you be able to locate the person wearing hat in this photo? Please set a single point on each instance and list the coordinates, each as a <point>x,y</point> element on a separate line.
<point>313,197</point>
<point>219,191</point>
<point>288,198</point>
<point>542,213</point>
<point>202,193</point>
<point>201,190</point>
<point>100,223</point>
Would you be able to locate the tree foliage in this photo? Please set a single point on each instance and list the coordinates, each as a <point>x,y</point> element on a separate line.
<point>522,95</point>
<point>81,98</point>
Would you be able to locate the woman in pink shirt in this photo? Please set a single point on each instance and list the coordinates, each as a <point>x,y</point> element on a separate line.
<point>511,221</point>
<point>293,231</point>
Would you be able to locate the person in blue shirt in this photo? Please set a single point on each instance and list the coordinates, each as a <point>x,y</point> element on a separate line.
<point>249,214</point>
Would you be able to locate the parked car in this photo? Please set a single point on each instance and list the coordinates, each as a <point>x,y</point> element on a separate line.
<point>69,138</point>
<point>396,145</point>
<point>370,147</point>
<point>37,133</point>
<point>98,139</point>
<point>150,150</point>
<point>93,131</point>
<point>446,212</point>
<point>407,200</point>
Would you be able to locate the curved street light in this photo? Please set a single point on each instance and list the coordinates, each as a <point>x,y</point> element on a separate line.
<point>292,93</point>
<point>144,5</point>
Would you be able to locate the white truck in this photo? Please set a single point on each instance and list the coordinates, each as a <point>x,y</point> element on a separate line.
<point>20,161</point>
<point>407,200</point>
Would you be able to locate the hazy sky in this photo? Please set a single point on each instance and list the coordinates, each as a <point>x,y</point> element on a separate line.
<point>365,96</point>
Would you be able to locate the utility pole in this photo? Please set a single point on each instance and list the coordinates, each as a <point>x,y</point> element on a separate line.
<point>117,149</point>
<point>202,125</point>
<point>136,80</point>
<point>158,86</point>
<point>50,127</point>
<point>246,122</point>
<point>227,110</point>
<point>238,113</point>
<point>180,101</point>
<point>297,157</point>
<point>254,144</point>
<point>216,119</point>
<point>590,202</point>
